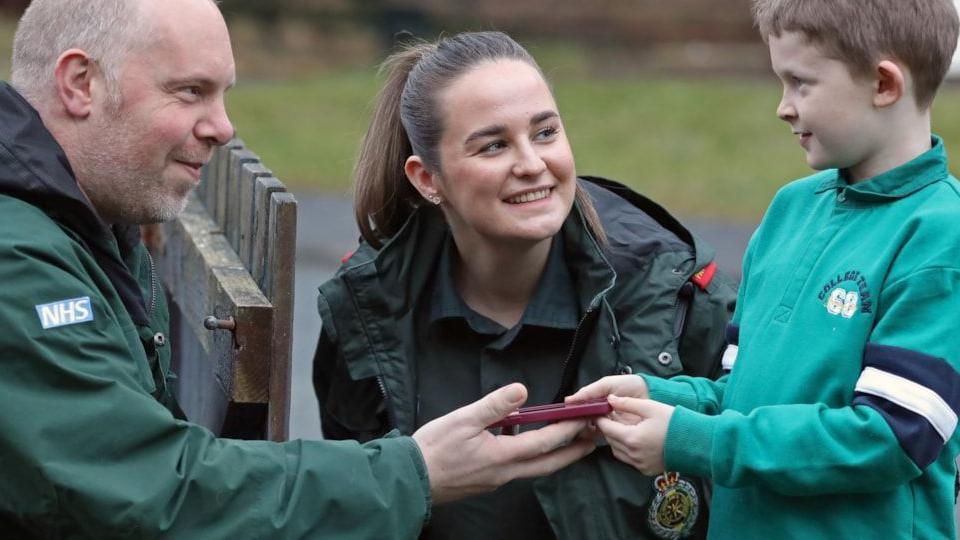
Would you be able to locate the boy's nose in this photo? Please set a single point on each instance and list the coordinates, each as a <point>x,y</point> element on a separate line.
<point>786,111</point>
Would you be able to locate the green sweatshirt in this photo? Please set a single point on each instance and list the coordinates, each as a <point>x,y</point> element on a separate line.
<point>838,417</point>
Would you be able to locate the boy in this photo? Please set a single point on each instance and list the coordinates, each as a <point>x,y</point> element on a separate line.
<point>838,417</point>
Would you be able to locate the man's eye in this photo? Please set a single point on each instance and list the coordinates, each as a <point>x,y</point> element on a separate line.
<point>193,91</point>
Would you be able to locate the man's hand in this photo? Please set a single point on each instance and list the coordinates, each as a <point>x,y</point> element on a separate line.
<point>637,444</point>
<point>463,458</point>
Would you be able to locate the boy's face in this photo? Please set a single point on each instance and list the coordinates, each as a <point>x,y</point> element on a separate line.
<point>830,111</point>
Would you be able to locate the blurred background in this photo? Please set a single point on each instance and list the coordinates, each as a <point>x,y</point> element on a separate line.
<point>674,98</point>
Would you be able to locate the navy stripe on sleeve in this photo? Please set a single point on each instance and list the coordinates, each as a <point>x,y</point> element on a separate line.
<point>918,395</point>
<point>733,334</point>
<point>916,435</point>
<point>925,370</point>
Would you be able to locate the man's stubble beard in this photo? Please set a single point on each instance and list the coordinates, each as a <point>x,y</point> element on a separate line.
<point>121,190</point>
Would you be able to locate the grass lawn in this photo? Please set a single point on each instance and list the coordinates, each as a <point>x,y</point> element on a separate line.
<point>711,148</point>
<point>704,147</point>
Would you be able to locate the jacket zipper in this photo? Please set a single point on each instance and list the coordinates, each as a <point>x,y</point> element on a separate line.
<point>565,366</point>
<point>391,419</point>
<point>153,286</point>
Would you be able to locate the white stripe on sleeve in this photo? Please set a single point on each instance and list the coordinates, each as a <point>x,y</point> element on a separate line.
<point>911,396</point>
<point>729,357</point>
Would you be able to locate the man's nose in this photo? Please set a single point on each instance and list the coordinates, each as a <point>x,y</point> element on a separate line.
<point>216,126</point>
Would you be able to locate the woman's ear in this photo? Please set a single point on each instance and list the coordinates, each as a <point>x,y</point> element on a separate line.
<point>890,84</point>
<point>74,75</point>
<point>422,179</point>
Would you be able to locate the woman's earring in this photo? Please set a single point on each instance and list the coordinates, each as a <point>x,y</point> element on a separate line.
<point>435,199</point>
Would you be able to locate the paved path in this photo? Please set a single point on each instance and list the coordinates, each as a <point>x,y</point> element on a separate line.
<point>326,231</point>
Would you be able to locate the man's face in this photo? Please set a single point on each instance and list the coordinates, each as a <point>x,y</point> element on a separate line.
<point>141,158</point>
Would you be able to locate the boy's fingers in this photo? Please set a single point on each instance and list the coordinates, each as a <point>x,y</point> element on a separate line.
<point>594,390</point>
<point>612,429</point>
<point>621,454</point>
<point>644,408</point>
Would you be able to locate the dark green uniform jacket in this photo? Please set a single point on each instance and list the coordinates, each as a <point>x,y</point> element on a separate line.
<point>641,313</point>
<point>91,445</point>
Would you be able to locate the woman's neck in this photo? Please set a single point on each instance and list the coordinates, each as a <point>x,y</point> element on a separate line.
<point>498,282</point>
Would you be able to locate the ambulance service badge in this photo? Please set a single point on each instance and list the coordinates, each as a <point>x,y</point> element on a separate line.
<point>675,507</point>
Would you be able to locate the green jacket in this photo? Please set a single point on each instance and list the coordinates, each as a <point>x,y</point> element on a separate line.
<point>643,314</point>
<point>91,442</point>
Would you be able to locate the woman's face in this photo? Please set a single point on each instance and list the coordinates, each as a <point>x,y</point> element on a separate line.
<point>506,170</point>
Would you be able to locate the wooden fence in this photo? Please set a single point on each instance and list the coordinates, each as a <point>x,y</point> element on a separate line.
<point>228,267</point>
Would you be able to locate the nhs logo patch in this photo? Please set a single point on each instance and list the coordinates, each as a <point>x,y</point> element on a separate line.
<point>65,312</point>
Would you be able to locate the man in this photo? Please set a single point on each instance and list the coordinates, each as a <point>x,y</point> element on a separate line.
<point>115,106</point>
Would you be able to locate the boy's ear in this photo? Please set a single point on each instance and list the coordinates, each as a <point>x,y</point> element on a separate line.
<point>74,75</point>
<point>422,179</point>
<point>890,84</point>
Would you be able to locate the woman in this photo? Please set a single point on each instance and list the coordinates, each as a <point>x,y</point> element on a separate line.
<point>485,260</point>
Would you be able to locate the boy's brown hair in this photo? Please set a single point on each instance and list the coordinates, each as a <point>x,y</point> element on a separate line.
<point>920,34</point>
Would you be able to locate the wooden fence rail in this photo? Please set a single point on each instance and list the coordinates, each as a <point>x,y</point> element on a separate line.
<point>229,260</point>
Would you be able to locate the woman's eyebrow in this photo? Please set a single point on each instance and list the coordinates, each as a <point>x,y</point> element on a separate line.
<point>545,115</point>
<point>489,131</point>
<point>499,129</point>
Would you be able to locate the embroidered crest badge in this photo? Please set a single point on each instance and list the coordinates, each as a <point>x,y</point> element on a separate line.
<point>675,507</point>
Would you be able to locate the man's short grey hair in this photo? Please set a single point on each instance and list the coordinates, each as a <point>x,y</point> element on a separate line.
<point>107,30</point>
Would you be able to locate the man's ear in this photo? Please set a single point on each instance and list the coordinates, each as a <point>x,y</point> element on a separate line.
<point>74,76</point>
<point>422,179</point>
<point>890,84</point>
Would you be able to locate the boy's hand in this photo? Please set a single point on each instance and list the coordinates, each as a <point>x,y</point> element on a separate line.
<point>622,385</point>
<point>637,444</point>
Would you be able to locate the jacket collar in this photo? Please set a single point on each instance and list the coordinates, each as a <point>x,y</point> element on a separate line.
<point>899,182</point>
<point>637,226</point>
<point>405,263</point>
<point>553,304</point>
<point>35,169</point>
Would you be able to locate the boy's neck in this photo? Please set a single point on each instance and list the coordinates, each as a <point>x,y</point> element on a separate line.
<point>901,140</point>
